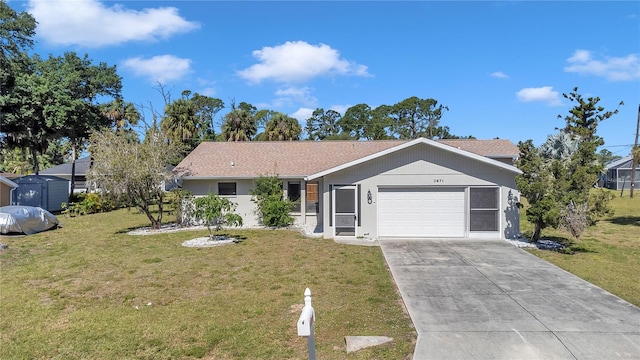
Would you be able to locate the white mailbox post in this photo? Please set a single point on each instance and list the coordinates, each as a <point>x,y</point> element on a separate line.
<point>305,324</point>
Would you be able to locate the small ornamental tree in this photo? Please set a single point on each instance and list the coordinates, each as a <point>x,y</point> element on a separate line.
<point>558,183</point>
<point>129,172</point>
<point>216,211</point>
<point>534,184</point>
<point>272,208</point>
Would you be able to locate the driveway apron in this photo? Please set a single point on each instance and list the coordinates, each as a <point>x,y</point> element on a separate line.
<point>487,299</point>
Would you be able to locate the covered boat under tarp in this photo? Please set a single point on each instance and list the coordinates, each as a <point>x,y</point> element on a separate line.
<point>26,220</point>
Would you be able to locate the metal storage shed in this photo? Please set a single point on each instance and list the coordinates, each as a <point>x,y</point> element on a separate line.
<point>45,191</point>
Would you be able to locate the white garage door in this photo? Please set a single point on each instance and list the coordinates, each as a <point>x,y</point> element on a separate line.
<point>421,212</point>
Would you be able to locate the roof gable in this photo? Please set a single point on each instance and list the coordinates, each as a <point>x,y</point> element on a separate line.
<point>8,182</point>
<point>288,159</point>
<point>415,142</point>
<point>625,163</point>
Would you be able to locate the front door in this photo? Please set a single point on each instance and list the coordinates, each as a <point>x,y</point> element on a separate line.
<point>345,212</point>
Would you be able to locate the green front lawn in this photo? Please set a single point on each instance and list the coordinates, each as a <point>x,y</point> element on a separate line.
<point>608,254</point>
<point>89,290</point>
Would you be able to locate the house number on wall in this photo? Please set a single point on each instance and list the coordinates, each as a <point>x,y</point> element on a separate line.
<point>438,180</point>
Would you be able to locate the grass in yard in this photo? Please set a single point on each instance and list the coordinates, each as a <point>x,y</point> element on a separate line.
<point>608,254</point>
<point>89,290</point>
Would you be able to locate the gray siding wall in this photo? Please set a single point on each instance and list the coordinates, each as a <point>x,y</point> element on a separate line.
<point>246,207</point>
<point>58,193</point>
<point>415,167</point>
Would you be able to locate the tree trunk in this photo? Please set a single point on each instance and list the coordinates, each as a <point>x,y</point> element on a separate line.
<point>73,170</point>
<point>36,165</point>
<point>34,153</point>
<point>155,223</point>
<point>159,218</point>
<point>537,229</point>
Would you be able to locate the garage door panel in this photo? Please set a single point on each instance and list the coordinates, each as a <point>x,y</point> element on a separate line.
<point>421,212</point>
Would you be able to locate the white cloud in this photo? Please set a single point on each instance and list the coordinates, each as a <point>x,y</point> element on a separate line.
<point>161,68</point>
<point>92,24</point>
<point>612,68</point>
<point>340,108</point>
<point>542,94</point>
<point>499,75</point>
<point>297,61</point>
<point>302,114</point>
<point>211,92</point>
<point>207,87</point>
<point>291,95</point>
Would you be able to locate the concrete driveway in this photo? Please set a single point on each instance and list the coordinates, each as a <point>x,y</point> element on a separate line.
<point>487,299</point>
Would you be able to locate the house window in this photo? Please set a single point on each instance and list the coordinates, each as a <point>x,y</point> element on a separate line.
<point>484,209</point>
<point>312,197</point>
<point>293,194</point>
<point>226,188</point>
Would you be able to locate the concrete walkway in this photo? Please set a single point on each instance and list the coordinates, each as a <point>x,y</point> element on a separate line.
<point>480,299</point>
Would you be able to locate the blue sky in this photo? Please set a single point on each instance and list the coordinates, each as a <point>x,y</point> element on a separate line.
<point>500,66</point>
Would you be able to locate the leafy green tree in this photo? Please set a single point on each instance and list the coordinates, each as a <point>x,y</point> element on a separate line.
<point>18,160</point>
<point>559,184</point>
<point>605,156</point>
<point>77,110</point>
<point>216,211</point>
<point>272,208</point>
<point>16,39</point>
<point>262,118</point>
<point>22,118</point>
<point>323,125</point>
<point>189,120</point>
<point>415,117</point>
<point>130,172</point>
<point>534,184</point>
<point>355,121</point>
<point>16,33</point>
<point>206,110</point>
<point>282,127</point>
<point>55,99</point>
<point>379,128</point>
<point>239,125</point>
<point>583,167</point>
<point>14,161</point>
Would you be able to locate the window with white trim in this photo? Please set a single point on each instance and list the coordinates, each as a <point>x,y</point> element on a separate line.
<point>484,209</point>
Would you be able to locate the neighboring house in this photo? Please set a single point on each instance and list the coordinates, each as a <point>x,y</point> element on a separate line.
<point>371,189</point>
<point>618,174</point>
<point>6,186</point>
<point>64,171</point>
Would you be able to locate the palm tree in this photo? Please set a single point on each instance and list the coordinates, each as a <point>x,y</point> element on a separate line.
<point>180,122</point>
<point>239,125</point>
<point>122,114</point>
<point>282,127</point>
<point>559,146</point>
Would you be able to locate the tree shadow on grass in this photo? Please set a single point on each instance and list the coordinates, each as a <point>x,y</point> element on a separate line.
<point>626,220</point>
<point>561,245</point>
<point>236,238</point>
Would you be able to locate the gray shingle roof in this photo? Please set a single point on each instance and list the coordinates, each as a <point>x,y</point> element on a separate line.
<point>301,158</point>
<point>82,166</point>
